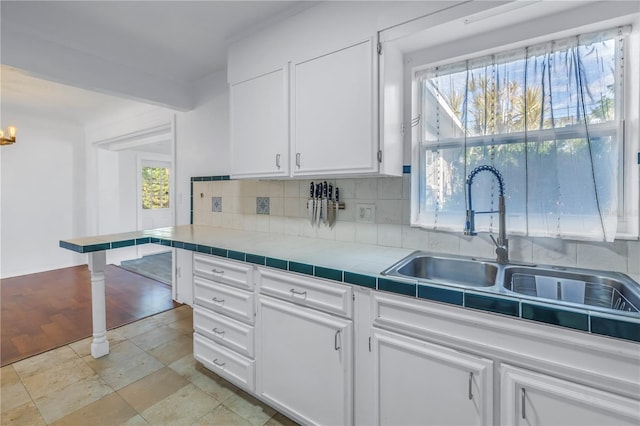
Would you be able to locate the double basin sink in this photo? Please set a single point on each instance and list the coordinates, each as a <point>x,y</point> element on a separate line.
<point>584,288</point>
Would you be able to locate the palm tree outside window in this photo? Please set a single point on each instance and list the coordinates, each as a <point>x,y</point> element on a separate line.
<point>548,116</point>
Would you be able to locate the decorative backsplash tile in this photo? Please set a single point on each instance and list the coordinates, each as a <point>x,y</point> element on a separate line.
<point>262,205</point>
<point>216,204</point>
<point>281,207</point>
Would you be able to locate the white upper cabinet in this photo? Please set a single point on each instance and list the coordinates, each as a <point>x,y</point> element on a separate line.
<point>317,116</point>
<point>334,113</point>
<point>260,126</point>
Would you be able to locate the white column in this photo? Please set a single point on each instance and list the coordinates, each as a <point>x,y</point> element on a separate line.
<point>100,344</point>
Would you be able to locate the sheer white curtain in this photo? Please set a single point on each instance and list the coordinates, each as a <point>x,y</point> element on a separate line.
<point>548,117</point>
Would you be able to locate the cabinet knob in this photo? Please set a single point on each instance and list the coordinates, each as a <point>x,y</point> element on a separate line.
<point>218,332</point>
<point>522,401</point>
<point>216,300</point>
<point>219,364</point>
<point>336,340</point>
<point>217,271</point>
<point>297,159</point>
<point>471,385</point>
<point>278,161</point>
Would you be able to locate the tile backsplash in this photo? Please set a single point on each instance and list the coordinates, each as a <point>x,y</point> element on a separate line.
<point>281,207</point>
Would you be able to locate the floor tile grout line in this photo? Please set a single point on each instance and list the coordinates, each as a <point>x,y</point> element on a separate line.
<point>77,354</point>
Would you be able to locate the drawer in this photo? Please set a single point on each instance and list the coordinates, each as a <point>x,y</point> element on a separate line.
<point>225,331</point>
<point>407,315</point>
<point>237,274</point>
<point>236,303</point>
<point>323,295</point>
<point>228,364</point>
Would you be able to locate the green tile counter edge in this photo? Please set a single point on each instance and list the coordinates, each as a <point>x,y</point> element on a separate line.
<point>576,319</point>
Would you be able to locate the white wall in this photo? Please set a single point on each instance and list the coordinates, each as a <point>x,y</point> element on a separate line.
<point>42,194</point>
<point>202,140</point>
<point>117,189</point>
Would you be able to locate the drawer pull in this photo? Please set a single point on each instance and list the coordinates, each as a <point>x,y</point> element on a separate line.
<point>470,385</point>
<point>218,332</point>
<point>219,364</point>
<point>216,300</point>
<point>522,401</point>
<point>299,293</point>
<point>217,271</point>
<point>336,340</point>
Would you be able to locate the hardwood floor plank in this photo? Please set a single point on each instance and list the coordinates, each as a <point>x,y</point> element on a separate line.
<point>43,311</point>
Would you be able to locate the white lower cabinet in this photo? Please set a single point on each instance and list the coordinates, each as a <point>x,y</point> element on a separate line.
<point>226,363</point>
<point>304,362</point>
<point>419,383</point>
<point>222,298</point>
<point>223,318</point>
<point>223,330</point>
<point>302,345</point>
<point>531,398</point>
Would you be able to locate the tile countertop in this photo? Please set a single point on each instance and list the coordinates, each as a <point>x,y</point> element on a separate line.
<point>359,258</point>
<point>359,264</point>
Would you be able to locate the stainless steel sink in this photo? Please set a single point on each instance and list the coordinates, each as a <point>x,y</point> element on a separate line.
<point>584,287</point>
<point>445,270</point>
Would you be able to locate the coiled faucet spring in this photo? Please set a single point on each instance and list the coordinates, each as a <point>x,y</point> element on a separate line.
<point>502,244</point>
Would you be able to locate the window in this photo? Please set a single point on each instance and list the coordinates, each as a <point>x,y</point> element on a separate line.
<point>548,117</point>
<point>155,188</point>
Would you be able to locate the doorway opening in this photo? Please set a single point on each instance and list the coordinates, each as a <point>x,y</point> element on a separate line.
<point>155,266</point>
<point>136,192</point>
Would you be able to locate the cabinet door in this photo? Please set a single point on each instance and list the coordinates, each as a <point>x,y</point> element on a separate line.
<point>418,383</point>
<point>260,126</point>
<point>183,288</point>
<point>334,113</point>
<point>530,398</point>
<point>304,362</point>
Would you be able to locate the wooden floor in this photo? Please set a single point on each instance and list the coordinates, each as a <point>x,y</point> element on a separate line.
<point>46,310</point>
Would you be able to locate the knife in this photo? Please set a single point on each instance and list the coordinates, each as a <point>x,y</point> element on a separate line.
<point>337,203</point>
<point>318,203</point>
<point>311,204</point>
<point>331,213</point>
<point>324,202</point>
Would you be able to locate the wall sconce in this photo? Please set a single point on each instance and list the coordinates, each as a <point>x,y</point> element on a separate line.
<point>11,131</point>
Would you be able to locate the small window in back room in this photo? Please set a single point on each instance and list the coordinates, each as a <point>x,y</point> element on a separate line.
<point>155,188</point>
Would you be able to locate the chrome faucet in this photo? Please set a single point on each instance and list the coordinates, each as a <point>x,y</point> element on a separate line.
<point>502,243</point>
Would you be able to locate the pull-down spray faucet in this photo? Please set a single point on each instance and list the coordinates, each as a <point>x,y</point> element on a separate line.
<point>502,244</point>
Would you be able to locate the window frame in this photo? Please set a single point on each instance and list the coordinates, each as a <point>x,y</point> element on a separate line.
<point>629,197</point>
<point>151,164</point>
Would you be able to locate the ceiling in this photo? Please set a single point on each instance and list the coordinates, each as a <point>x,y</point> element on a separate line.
<point>94,56</point>
<point>26,94</point>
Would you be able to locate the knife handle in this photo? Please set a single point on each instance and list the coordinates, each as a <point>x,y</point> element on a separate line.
<point>324,189</point>
<point>311,190</point>
<point>318,190</point>
<point>330,192</point>
<point>337,194</point>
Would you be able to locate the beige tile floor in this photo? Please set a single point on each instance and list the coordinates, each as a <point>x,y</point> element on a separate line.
<point>148,378</point>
